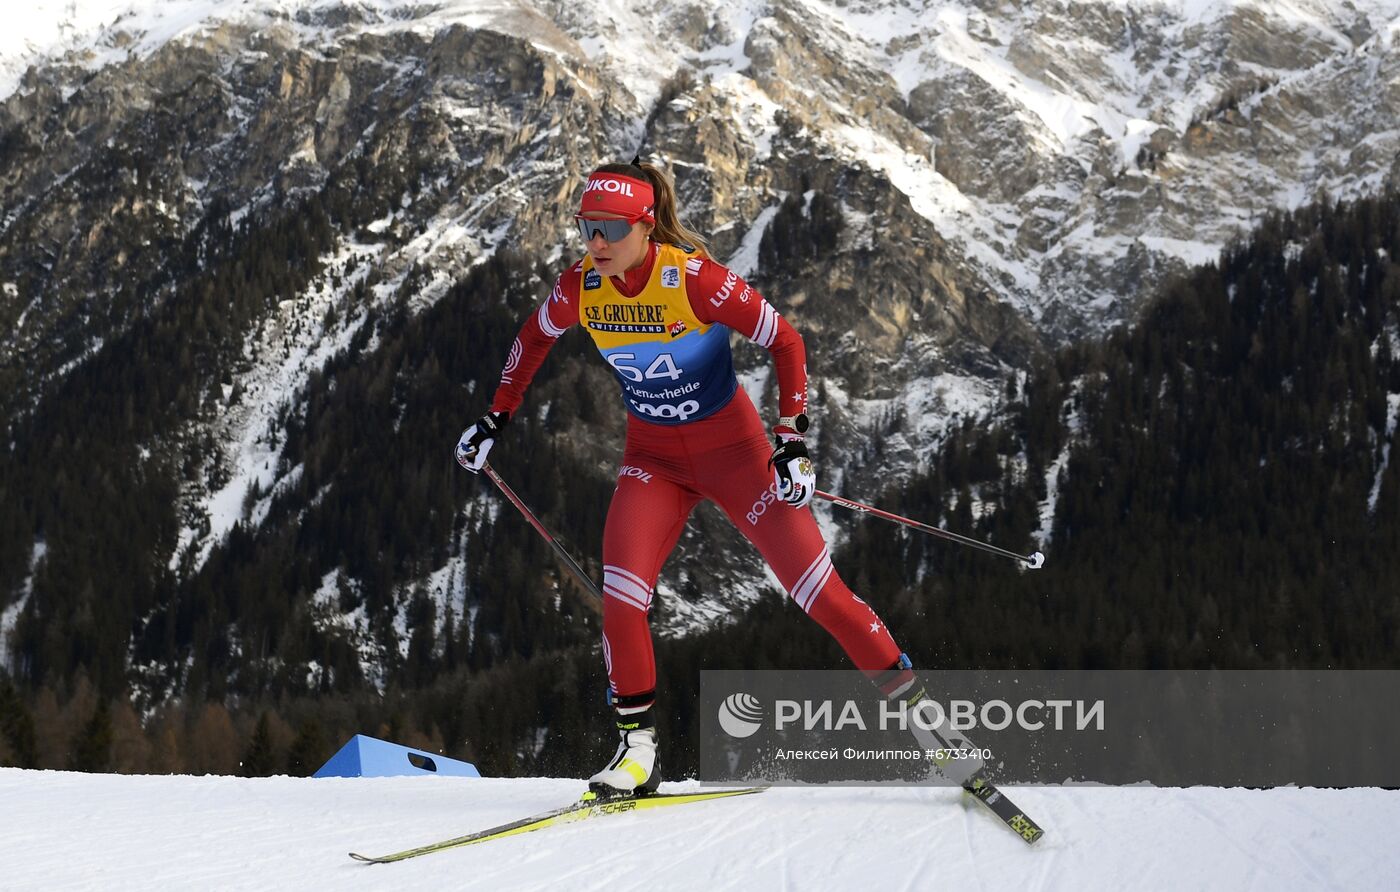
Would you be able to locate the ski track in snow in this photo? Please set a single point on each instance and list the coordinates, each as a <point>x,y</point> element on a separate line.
<point>76,831</point>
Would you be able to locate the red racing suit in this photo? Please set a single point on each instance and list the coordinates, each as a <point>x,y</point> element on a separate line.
<point>692,434</point>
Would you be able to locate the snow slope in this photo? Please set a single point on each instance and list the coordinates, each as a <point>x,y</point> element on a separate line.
<point>62,830</point>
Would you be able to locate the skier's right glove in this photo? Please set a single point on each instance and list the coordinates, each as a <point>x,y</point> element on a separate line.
<point>476,440</point>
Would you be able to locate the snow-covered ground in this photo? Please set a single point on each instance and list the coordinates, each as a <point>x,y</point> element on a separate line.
<point>61,830</point>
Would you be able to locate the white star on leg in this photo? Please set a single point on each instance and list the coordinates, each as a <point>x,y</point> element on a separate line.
<point>874,627</point>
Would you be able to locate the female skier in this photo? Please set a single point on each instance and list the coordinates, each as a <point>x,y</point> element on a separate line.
<point>661,311</point>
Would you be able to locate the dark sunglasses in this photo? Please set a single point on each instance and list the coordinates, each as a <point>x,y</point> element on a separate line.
<point>610,230</point>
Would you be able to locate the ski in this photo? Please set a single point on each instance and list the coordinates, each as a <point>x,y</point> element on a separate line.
<point>970,775</point>
<point>972,778</point>
<point>986,792</point>
<point>588,807</point>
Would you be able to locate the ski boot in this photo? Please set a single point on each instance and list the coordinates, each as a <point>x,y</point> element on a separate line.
<point>633,770</point>
<point>900,685</point>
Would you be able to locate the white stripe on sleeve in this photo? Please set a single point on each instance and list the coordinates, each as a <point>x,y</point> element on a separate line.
<point>767,328</point>
<point>546,324</point>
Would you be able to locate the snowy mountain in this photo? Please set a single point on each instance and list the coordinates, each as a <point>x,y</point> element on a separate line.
<point>1004,178</point>
<point>74,831</point>
<point>1045,143</point>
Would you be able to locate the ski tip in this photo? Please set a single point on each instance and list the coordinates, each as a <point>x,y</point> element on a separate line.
<point>364,859</point>
<point>736,791</point>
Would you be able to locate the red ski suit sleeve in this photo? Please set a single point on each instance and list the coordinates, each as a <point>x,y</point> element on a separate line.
<point>542,328</point>
<point>718,294</point>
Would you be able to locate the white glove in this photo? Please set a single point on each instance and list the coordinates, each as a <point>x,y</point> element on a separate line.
<point>793,471</point>
<point>475,442</point>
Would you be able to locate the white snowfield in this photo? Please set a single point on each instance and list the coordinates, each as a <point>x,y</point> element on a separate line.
<point>61,830</point>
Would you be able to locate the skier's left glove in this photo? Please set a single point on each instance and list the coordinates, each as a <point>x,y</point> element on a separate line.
<point>793,471</point>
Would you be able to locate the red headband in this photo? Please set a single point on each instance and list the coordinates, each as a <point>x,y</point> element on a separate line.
<point>615,193</point>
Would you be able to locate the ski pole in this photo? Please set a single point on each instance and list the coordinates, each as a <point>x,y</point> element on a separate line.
<point>1034,560</point>
<point>574,569</point>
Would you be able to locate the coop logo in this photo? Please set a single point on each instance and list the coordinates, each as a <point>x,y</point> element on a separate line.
<point>670,277</point>
<point>592,280</point>
<point>681,412</point>
<point>740,715</point>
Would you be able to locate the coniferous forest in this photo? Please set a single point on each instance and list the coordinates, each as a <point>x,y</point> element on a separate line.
<point>1218,481</point>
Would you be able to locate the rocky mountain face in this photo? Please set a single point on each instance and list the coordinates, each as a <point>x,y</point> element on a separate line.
<point>934,193</point>
<point>106,171</point>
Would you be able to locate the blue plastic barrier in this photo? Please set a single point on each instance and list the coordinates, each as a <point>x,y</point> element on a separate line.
<point>370,757</point>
